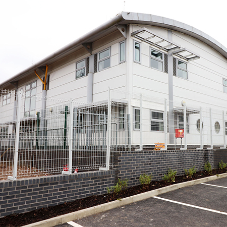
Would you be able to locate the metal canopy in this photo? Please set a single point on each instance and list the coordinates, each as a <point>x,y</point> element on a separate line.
<point>152,39</point>
<point>163,44</point>
<point>185,54</point>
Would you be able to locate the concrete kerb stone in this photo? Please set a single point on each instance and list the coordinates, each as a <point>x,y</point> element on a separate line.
<point>118,203</point>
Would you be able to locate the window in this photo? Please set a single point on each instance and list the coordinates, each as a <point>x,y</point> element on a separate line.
<point>217,127</point>
<point>224,85</point>
<point>226,128</point>
<point>6,99</point>
<point>121,117</point>
<point>30,100</point>
<point>80,69</point>
<point>157,121</point>
<point>104,59</point>
<point>122,52</point>
<point>198,125</point>
<point>136,119</point>
<point>136,51</point>
<point>4,132</point>
<point>156,59</point>
<point>182,69</point>
<point>181,122</point>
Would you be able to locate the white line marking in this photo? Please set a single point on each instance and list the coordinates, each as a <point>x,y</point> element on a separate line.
<point>189,205</point>
<point>74,224</point>
<point>213,185</point>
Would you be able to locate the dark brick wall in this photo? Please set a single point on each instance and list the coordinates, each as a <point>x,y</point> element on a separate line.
<point>29,194</point>
<point>24,195</point>
<point>220,155</point>
<point>132,164</point>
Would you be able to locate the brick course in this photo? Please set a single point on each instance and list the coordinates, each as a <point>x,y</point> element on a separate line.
<point>24,195</point>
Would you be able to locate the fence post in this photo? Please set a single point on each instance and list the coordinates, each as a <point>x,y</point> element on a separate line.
<point>223,120</point>
<point>70,136</point>
<point>211,136</point>
<point>141,123</point>
<point>185,127</point>
<point>201,129</point>
<point>165,123</point>
<point>14,177</point>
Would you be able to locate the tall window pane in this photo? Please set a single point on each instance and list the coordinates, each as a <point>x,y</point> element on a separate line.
<point>122,51</point>
<point>137,51</point>
<point>157,121</point>
<point>80,69</point>
<point>104,59</point>
<point>136,118</point>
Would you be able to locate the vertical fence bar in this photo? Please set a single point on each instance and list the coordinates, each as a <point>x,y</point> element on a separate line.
<point>65,127</point>
<point>141,123</point>
<point>201,129</point>
<point>185,127</point>
<point>223,124</point>
<point>70,137</point>
<point>211,136</point>
<point>165,123</point>
<point>14,177</point>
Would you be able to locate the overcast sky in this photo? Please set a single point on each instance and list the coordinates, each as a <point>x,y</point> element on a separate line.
<point>34,29</point>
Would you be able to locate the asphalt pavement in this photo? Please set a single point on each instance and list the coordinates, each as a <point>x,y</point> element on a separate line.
<point>199,205</point>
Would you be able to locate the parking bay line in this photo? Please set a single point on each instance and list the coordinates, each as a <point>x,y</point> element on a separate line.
<point>74,224</point>
<point>213,185</point>
<point>189,205</point>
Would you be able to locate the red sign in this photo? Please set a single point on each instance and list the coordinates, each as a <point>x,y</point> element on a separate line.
<point>179,133</point>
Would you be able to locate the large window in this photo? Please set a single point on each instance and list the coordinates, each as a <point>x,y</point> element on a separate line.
<point>156,59</point>
<point>224,85</point>
<point>121,117</point>
<point>104,59</point>
<point>6,99</point>
<point>157,121</point>
<point>30,100</point>
<point>80,69</point>
<point>136,119</point>
<point>182,69</point>
<point>122,52</point>
<point>136,51</point>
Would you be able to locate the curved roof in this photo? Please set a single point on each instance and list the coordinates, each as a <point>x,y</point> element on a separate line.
<point>123,18</point>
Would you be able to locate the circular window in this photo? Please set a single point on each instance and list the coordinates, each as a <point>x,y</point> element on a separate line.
<point>198,125</point>
<point>217,127</point>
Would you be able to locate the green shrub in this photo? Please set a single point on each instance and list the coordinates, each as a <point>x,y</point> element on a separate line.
<point>222,165</point>
<point>170,177</point>
<point>208,167</point>
<point>121,185</point>
<point>190,172</point>
<point>145,179</point>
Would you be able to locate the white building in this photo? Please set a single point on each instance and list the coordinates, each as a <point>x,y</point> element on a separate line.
<point>155,67</point>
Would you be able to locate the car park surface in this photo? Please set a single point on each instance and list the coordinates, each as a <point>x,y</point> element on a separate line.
<point>199,205</point>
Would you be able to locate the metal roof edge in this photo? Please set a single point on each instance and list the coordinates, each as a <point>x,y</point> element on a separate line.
<point>175,25</point>
<point>66,48</point>
<point>127,18</point>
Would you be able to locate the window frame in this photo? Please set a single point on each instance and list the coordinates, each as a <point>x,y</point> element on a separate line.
<point>224,86</point>
<point>121,120</point>
<point>157,120</point>
<point>6,98</point>
<point>30,97</point>
<point>179,68</point>
<point>122,61</point>
<point>134,119</point>
<point>103,59</point>
<point>84,67</point>
<point>134,52</point>
<point>154,58</point>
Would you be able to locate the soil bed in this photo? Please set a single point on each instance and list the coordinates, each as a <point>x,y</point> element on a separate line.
<point>50,212</point>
